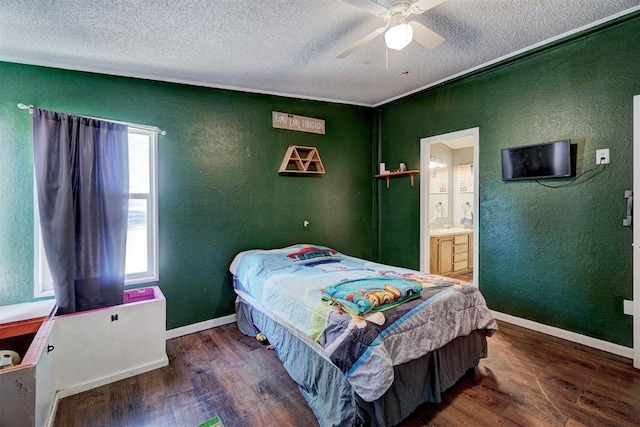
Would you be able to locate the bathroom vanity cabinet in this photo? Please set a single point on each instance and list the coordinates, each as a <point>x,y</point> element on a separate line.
<point>451,253</point>
<point>69,354</point>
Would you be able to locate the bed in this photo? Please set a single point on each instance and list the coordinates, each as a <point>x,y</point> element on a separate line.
<point>365,342</point>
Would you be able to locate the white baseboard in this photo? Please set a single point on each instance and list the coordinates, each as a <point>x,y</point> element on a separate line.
<point>51,417</point>
<point>197,327</point>
<point>79,388</point>
<point>566,335</point>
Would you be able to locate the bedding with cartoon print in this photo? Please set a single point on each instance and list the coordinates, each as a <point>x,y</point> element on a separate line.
<point>364,316</point>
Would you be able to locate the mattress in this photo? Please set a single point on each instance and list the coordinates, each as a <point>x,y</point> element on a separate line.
<point>289,285</point>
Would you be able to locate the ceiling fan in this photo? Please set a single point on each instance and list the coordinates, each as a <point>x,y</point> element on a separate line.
<point>398,32</point>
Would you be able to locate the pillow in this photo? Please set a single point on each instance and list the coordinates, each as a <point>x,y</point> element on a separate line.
<point>314,255</point>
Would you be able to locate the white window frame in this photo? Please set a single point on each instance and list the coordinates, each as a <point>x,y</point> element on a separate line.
<point>43,282</point>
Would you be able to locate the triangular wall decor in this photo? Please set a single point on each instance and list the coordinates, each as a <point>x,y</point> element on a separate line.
<point>299,159</point>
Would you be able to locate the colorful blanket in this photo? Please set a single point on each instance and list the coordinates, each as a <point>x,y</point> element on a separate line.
<point>362,296</point>
<point>365,317</point>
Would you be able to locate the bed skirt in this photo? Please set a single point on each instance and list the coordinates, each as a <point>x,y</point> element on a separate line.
<point>328,392</point>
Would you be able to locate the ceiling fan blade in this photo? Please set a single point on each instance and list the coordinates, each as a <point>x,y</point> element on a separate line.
<point>425,36</point>
<point>361,43</point>
<point>424,5</point>
<point>369,6</point>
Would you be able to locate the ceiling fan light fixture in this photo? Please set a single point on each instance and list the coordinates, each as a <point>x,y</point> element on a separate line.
<point>398,36</point>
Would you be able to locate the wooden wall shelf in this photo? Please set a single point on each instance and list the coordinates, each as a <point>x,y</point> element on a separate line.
<point>395,174</point>
<point>299,159</point>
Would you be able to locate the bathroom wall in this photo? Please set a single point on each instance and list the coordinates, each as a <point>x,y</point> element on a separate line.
<point>463,187</point>
<point>454,201</point>
<point>440,195</point>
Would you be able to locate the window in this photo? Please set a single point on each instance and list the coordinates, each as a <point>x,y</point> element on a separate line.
<point>142,233</point>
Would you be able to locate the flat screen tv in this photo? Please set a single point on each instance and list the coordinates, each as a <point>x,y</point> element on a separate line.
<point>550,160</point>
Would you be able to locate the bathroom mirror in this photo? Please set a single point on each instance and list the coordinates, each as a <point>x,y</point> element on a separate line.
<point>451,187</point>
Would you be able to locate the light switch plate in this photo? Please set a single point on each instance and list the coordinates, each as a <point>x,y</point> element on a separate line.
<point>627,307</point>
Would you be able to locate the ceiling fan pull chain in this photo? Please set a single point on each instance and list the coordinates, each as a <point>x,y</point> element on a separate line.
<point>386,58</point>
<point>406,58</point>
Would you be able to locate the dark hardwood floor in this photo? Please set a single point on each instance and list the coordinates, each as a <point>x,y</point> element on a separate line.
<point>529,379</point>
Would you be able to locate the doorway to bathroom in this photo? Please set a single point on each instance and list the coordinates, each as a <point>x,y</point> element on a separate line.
<point>449,196</point>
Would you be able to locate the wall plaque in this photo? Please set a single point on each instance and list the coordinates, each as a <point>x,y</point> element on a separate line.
<point>297,123</point>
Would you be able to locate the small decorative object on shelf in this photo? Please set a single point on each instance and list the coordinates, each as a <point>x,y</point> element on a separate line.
<point>398,173</point>
<point>299,159</point>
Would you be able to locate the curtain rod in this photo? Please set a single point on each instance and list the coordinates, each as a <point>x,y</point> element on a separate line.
<point>152,128</point>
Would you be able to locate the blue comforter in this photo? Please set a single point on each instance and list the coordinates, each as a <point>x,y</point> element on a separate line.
<point>402,314</point>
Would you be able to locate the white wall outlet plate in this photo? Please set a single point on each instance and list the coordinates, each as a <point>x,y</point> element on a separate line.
<point>627,307</point>
<point>602,156</point>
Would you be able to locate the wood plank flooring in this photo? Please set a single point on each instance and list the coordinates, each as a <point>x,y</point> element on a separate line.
<point>529,379</point>
<point>468,276</point>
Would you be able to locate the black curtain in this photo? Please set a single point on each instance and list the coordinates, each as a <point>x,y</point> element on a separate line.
<point>82,179</point>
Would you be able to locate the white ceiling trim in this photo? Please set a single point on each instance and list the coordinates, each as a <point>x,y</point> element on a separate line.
<point>98,70</point>
<point>306,71</point>
<point>513,54</point>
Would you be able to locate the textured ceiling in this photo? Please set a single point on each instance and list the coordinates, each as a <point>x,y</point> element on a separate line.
<point>285,47</point>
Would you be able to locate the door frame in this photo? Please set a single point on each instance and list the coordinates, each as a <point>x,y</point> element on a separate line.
<point>636,233</point>
<point>425,157</point>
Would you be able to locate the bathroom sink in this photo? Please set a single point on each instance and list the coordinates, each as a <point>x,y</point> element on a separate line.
<point>448,231</point>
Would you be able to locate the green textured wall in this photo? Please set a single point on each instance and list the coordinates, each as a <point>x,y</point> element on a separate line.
<point>556,256</point>
<point>219,189</point>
